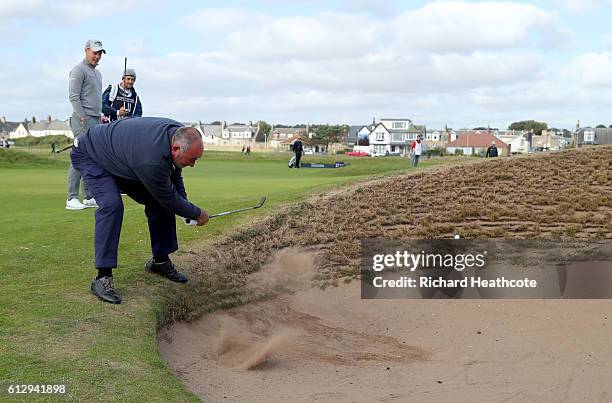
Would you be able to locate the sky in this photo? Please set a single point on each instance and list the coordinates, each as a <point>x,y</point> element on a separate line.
<point>460,64</point>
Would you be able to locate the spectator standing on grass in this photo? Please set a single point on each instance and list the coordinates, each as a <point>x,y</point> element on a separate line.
<point>248,150</point>
<point>298,148</point>
<point>143,158</point>
<point>492,150</point>
<point>85,94</point>
<point>416,149</point>
<point>121,101</point>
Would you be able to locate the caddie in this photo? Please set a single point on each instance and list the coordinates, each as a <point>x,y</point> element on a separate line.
<point>121,100</point>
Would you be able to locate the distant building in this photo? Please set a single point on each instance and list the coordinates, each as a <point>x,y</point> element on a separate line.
<point>211,134</point>
<point>476,143</point>
<point>238,134</point>
<point>47,127</point>
<point>6,128</point>
<point>591,136</point>
<point>222,134</point>
<point>518,143</point>
<point>287,144</point>
<point>278,135</point>
<point>386,136</point>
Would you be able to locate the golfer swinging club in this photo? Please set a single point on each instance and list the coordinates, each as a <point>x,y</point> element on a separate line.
<point>143,158</point>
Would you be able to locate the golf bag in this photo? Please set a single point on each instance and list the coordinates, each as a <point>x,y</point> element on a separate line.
<point>292,162</point>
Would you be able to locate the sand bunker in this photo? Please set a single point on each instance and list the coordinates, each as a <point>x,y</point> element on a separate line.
<point>330,345</point>
<point>239,347</point>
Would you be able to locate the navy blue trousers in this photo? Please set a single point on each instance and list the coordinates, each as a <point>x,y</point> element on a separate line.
<point>107,189</point>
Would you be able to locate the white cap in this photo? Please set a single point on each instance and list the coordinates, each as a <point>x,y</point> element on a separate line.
<point>94,45</point>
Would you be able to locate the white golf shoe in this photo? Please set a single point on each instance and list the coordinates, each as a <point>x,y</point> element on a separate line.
<point>90,203</point>
<point>74,204</point>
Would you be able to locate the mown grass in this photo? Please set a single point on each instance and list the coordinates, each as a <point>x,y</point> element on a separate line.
<point>52,330</point>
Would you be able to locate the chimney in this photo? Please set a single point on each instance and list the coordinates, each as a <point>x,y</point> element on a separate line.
<point>33,120</point>
<point>49,118</point>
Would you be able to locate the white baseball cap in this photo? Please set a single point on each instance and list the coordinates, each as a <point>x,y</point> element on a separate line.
<point>94,45</point>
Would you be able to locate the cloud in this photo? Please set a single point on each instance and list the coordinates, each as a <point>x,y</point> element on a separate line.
<point>583,5</point>
<point>592,69</point>
<point>371,7</point>
<point>438,27</point>
<point>67,11</point>
<point>20,8</point>
<point>223,20</point>
<point>457,26</point>
<point>455,62</point>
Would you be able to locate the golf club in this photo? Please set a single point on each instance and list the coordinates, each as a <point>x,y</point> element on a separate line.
<point>189,221</point>
<point>65,148</point>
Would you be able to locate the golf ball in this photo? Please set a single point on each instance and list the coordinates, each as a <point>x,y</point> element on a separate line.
<point>457,236</point>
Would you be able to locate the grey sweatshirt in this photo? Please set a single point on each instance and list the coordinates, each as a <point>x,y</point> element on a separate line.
<point>85,90</point>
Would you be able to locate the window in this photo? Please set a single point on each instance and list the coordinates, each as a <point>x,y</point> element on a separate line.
<point>380,136</point>
<point>589,136</point>
<point>399,125</point>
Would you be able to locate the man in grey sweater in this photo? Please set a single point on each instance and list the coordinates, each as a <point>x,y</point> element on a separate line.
<point>85,94</point>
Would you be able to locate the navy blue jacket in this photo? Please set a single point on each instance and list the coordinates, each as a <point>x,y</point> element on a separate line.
<point>132,104</point>
<point>139,149</point>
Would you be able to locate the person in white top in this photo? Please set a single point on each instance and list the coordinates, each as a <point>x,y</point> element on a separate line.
<point>416,150</point>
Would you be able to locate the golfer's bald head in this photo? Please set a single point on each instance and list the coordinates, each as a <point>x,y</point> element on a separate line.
<point>187,146</point>
<point>185,137</point>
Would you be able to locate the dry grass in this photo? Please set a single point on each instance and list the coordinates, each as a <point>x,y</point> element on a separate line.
<point>564,195</point>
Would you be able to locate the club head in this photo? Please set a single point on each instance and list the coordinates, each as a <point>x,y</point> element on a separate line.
<point>262,201</point>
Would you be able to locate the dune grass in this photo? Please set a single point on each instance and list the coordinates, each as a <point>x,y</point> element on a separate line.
<point>53,331</point>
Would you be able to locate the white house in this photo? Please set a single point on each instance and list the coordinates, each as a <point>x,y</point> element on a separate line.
<point>387,135</point>
<point>211,134</point>
<point>380,140</point>
<point>222,134</point>
<point>433,135</point>
<point>50,128</point>
<point>238,134</point>
<point>517,142</point>
<point>20,132</point>
<point>47,127</point>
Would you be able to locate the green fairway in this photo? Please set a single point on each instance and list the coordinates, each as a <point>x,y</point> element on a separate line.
<point>53,331</point>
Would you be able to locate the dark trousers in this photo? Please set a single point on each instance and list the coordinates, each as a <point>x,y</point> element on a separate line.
<point>107,189</point>
<point>298,157</point>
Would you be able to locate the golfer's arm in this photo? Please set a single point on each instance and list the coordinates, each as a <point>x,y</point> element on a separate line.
<point>74,91</point>
<point>177,179</point>
<point>161,187</point>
